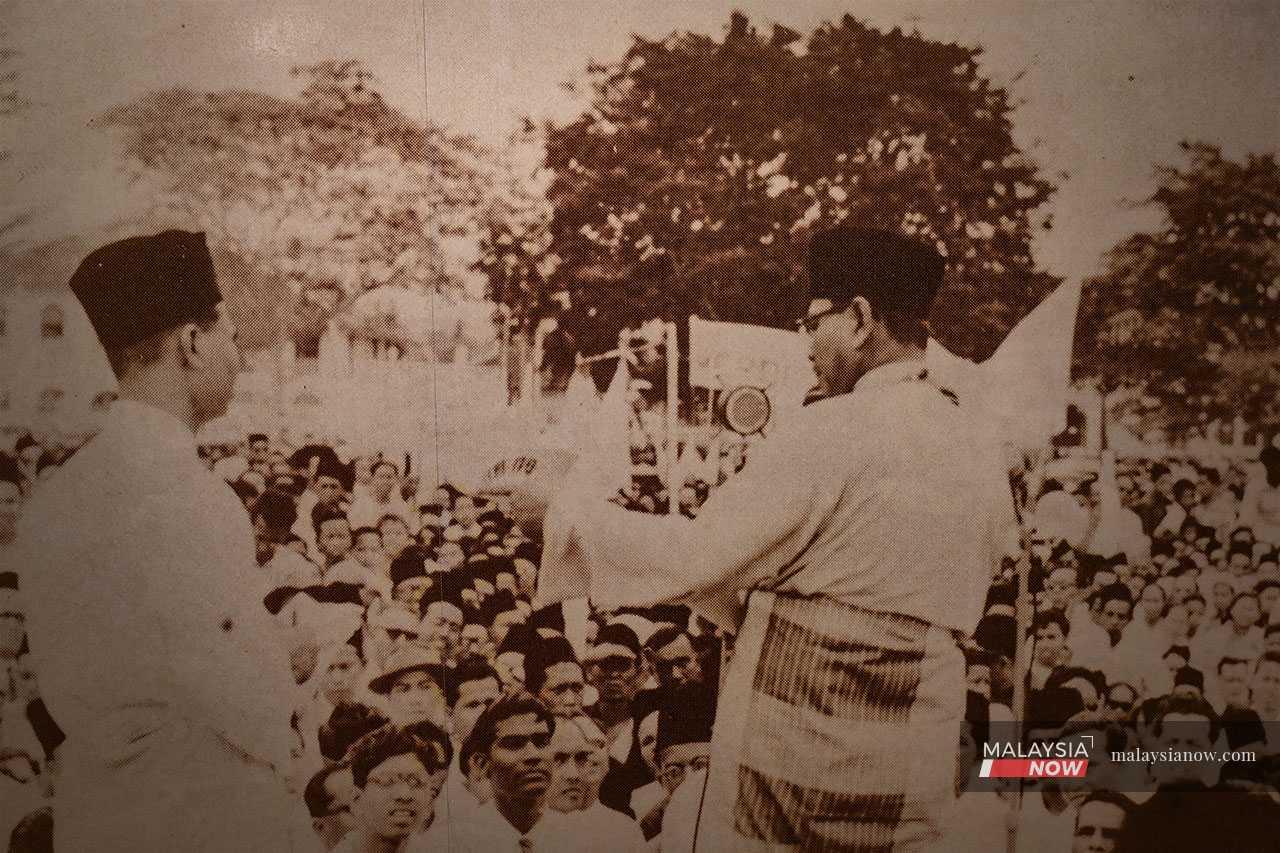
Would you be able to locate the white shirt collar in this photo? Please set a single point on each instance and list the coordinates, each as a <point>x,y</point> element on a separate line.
<point>889,374</point>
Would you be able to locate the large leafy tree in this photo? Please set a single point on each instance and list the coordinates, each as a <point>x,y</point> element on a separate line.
<point>725,154</point>
<point>332,189</point>
<point>1186,318</point>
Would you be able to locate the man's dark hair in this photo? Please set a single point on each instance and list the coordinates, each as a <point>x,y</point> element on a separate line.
<point>475,670</point>
<point>1267,657</point>
<point>390,741</point>
<point>1230,661</point>
<point>1051,617</point>
<point>322,513</point>
<point>1272,628</point>
<point>130,357</point>
<point>1062,674</point>
<point>1190,706</point>
<point>34,833</point>
<point>1158,470</point>
<point>485,732</point>
<point>257,436</point>
<point>347,724</point>
<point>366,530</point>
<point>317,797</point>
<point>545,654</point>
<point>1111,798</point>
<point>276,508</point>
<point>1183,486</point>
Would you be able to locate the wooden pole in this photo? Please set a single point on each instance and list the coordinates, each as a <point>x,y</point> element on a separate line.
<point>673,415</point>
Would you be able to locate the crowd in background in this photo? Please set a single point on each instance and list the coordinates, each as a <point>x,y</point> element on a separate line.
<point>436,709</point>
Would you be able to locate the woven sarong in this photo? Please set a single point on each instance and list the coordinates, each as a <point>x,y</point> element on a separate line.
<point>836,731</point>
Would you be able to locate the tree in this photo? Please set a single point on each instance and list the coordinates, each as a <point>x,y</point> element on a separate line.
<point>1187,316</point>
<point>333,188</point>
<point>725,155</point>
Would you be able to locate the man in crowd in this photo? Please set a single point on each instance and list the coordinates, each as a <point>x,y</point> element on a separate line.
<point>886,522</point>
<point>383,499</point>
<point>412,685</point>
<point>511,744</point>
<point>670,653</point>
<point>578,765</point>
<point>1188,812</point>
<point>397,774</point>
<point>329,796</point>
<point>144,622</point>
<point>1099,822</point>
<point>471,689</point>
<point>614,670</point>
<point>552,674</point>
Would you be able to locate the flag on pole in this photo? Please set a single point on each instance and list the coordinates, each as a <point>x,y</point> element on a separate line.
<point>1024,388</point>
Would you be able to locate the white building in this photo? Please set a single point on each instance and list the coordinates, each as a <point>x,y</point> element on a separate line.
<point>54,378</point>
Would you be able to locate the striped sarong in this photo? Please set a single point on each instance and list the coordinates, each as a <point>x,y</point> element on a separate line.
<point>836,731</point>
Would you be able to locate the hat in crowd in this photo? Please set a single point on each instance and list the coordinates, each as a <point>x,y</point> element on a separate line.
<point>406,659</point>
<point>1053,706</point>
<point>1189,675</point>
<point>612,639</point>
<point>349,722</point>
<point>686,716</point>
<point>410,563</point>
<point>136,288</point>
<point>551,616</point>
<point>893,272</point>
<point>997,633</point>
<point>331,467</point>
<point>641,626</point>
<point>1183,652</point>
<point>520,638</point>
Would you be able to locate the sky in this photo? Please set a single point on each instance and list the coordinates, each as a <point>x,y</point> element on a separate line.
<point>1107,89</point>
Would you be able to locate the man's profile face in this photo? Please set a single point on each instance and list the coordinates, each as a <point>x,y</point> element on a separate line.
<point>562,690</point>
<point>832,350</point>
<point>214,382</point>
<point>1266,685</point>
<point>1098,828</point>
<point>474,697</point>
<point>339,821</point>
<point>519,765</point>
<point>676,762</point>
<point>396,798</point>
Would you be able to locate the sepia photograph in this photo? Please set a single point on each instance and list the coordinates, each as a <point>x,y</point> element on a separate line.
<point>639,426</point>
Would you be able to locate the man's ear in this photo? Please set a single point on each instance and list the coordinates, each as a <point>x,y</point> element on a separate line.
<point>860,311</point>
<point>479,764</point>
<point>190,346</point>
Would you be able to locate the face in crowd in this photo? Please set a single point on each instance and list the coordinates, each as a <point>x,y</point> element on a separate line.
<point>518,765</point>
<point>474,698</point>
<point>385,479</point>
<point>416,697</point>
<point>1098,827</point>
<point>676,664</point>
<point>562,689</point>
<point>398,797</point>
<point>395,537</point>
<point>579,762</point>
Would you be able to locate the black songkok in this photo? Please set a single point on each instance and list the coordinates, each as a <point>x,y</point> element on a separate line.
<point>892,272</point>
<point>142,286</point>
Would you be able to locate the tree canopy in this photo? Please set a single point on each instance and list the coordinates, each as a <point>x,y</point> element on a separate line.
<point>331,189</point>
<point>1187,316</point>
<point>726,154</point>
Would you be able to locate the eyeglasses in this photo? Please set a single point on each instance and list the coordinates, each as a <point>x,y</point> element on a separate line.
<point>674,772</point>
<point>615,665</point>
<point>412,780</point>
<point>809,323</point>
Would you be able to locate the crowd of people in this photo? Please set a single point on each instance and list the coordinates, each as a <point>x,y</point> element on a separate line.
<point>436,709</point>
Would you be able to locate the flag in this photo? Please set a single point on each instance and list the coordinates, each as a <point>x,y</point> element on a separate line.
<point>1024,388</point>
<point>603,466</point>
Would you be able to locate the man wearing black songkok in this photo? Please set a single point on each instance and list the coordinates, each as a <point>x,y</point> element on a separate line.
<point>152,653</point>
<point>865,538</point>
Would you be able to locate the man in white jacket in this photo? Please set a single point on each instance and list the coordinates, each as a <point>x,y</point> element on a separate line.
<point>139,575</point>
